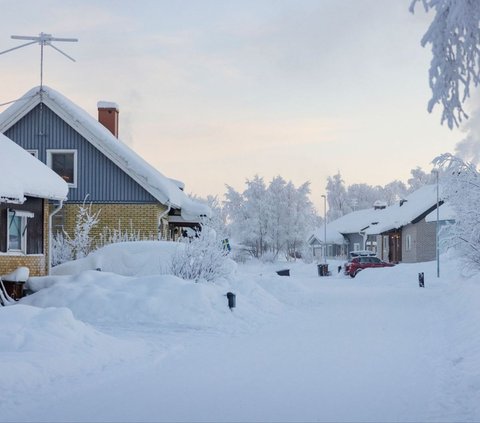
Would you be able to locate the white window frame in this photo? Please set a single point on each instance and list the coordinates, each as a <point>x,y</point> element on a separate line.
<point>49,163</point>
<point>408,243</point>
<point>24,215</point>
<point>356,246</point>
<point>34,153</point>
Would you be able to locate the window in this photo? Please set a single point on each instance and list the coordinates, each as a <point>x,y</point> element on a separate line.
<point>64,163</point>
<point>356,246</point>
<point>408,243</point>
<point>34,153</point>
<point>17,230</point>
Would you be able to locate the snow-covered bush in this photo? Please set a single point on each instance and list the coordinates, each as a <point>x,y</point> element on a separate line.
<point>61,249</point>
<point>307,254</point>
<point>112,236</point>
<point>82,241</point>
<point>203,257</point>
<point>66,247</point>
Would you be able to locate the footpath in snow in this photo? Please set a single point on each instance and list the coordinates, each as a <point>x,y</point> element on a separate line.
<point>102,347</point>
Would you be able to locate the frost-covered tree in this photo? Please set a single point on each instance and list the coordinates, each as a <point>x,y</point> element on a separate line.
<point>300,217</point>
<point>393,192</point>
<point>277,214</point>
<point>270,220</point>
<point>461,188</point>
<point>362,196</point>
<point>338,203</point>
<point>454,36</point>
<point>82,242</point>
<point>419,179</point>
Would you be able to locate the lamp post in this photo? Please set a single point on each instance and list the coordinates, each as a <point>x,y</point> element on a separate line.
<point>437,241</point>
<point>324,228</point>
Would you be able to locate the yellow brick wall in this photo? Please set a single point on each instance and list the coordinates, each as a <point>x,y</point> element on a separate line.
<point>136,218</point>
<point>36,263</point>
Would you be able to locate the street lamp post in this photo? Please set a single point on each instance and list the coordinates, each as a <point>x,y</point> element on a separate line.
<point>324,228</point>
<point>437,241</point>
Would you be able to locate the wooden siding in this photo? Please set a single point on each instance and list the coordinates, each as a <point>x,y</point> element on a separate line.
<point>41,129</point>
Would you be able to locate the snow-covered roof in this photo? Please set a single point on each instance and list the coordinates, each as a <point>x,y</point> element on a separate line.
<point>355,222</point>
<point>333,236</point>
<point>24,175</point>
<point>376,221</point>
<point>158,185</point>
<point>413,206</point>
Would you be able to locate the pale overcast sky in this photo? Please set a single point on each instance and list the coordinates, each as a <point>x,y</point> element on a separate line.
<point>212,92</point>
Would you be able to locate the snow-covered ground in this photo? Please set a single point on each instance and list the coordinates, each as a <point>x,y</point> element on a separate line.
<point>102,347</point>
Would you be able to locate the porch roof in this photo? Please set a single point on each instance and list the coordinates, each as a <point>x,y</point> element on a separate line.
<point>23,175</point>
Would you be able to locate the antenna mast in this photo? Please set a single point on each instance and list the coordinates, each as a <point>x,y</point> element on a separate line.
<point>44,40</point>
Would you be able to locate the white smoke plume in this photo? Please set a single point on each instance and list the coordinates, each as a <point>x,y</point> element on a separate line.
<point>468,149</point>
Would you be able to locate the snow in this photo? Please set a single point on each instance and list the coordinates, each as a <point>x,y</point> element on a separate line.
<point>107,105</point>
<point>158,185</point>
<point>98,346</point>
<point>139,258</point>
<point>21,274</point>
<point>27,176</point>
<point>445,212</point>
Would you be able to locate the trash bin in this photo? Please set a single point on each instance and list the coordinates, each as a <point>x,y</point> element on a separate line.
<point>14,289</point>
<point>284,272</point>
<point>322,269</point>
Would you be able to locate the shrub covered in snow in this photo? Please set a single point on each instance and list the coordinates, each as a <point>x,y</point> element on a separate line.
<point>203,257</point>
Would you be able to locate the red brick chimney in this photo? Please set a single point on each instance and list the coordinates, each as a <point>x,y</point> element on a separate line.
<point>108,116</point>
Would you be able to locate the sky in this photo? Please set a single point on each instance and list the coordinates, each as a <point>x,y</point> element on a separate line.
<point>213,92</point>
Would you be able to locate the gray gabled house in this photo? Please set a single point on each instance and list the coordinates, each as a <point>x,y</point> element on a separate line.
<point>98,167</point>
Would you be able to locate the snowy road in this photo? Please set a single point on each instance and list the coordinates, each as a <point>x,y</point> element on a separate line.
<point>341,351</point>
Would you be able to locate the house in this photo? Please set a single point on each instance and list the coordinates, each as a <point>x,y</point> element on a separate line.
<point>26,187</point>
<point>335,246</point>
<point>403,232</point>
<point>98,167</point>
<point>346,234</point>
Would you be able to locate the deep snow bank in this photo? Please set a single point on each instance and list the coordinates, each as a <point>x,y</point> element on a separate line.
<point>40,345</point>
<point>157,301</point>
<point>138,258</point>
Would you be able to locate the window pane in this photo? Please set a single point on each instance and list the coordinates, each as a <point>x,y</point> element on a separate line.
<point>63,164</point>
<point>14,232</point>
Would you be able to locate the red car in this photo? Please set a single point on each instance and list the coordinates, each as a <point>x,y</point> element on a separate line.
<point>357,264</point>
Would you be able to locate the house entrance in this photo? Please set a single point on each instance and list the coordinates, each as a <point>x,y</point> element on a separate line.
<point>395,247</point>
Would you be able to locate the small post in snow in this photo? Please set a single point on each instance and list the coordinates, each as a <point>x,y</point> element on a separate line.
<point>421,280</point>
<point>231,300</point>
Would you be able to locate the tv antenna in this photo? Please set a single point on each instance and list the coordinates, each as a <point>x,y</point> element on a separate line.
<point>44,40</point>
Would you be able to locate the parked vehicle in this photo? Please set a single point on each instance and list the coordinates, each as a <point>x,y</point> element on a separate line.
<point>359,263</point>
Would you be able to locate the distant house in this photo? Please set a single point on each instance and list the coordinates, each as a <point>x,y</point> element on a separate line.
<point>98,167</point>
<point>403,232</point>
<point>26,187</point>
<point>345,234</point>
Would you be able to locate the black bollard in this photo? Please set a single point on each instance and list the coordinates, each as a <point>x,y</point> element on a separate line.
<point>231,300</point>
<point>421,280</point>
